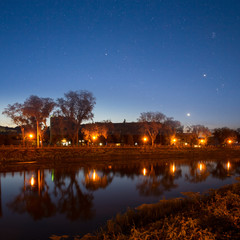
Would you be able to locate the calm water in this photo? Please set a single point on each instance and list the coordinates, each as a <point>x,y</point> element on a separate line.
<point>75,200</point>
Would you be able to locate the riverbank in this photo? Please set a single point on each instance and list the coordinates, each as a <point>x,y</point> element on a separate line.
<point>214,215</point>
<point>17,159</point>
<point>109,153</point>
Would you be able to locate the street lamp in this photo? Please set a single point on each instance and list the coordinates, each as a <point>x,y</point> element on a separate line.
<point>30,136</point>
<point>174,140</point>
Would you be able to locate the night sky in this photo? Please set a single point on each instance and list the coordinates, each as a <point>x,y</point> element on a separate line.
<point>172,56</point>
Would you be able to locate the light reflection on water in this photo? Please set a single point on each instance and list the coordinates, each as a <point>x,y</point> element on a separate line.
<point>75,200</point>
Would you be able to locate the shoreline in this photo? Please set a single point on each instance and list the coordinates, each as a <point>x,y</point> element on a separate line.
<point>18,159</point>
<point>212,215</point>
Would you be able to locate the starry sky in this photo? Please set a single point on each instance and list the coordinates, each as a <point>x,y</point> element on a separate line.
<point>172,56</point>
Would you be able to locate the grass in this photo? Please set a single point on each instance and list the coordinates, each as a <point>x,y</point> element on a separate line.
<point>214,215</point>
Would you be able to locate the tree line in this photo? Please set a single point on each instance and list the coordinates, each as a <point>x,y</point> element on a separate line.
<point>77,106</point>
<point>69,112</point>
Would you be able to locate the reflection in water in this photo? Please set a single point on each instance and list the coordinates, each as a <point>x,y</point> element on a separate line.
<point>144,171</point>
<point>72,192</point>
<point>93,181</point>
<point>173,168</point>
<point>197,172</point>
<point>32,181</point>
<point>71,201</point>
<point>0,197</point>
<point>228,165</point>
<point>159,179</point>
<point>34,198</point>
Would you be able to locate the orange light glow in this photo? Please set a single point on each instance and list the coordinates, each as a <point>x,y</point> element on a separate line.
<point>32,181</point>
<point>145,139</point>
<point>94,175</point>
<point>228,165</point>
<point>202,141</point>
<point>173,168</point>
<point>94,137</point>
<point>144,172</point>
<point>229,141</point>
<point>30,135</point>
<point>200,167</point>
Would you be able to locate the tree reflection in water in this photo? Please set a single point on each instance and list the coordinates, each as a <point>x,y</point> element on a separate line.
<point>198,172</point>
<point>92,180</point>
<point>0,197</point>
<point>221,171</point>
<point>34,199</point>
<point>65,195</point>
<point>159,179</point>
<point>72,201</point>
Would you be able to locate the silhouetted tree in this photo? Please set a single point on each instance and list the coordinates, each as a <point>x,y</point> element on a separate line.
<point>39,110</point>
<point>152,123</point>
<point>15,112</point>
<point>171,128</point>
<point>222,134</point>
<point>77,106</point>
<point>198,131</point>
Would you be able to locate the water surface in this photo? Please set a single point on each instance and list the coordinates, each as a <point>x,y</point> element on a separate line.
<point>73,200</point>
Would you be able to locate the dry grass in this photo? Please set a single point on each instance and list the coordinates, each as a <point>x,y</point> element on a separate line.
<point>215,215</point>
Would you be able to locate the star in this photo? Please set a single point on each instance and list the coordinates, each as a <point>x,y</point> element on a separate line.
<point>204,75</point>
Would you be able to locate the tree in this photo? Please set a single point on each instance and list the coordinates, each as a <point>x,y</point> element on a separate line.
<point>152,123</point>
<point>77,106</point>
<point>198,131</point>
<point>223,134</point>
<point>15,112</point>
<point>38,109</point>
<point>171,127</point>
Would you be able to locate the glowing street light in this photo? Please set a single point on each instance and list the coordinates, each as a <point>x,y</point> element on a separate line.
<point>174,141</point>
<point>229,141</point>
<point>145,139</point>
<point>30,136</point>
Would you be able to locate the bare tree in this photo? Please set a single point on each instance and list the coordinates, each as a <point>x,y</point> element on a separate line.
<point>152,123</point>
<point>15,112</point>
<point>38,109</point>
<point>77,106</point>
<point>171,127</point>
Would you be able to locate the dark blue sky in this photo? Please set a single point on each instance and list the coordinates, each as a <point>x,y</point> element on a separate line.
<point>172,56</point>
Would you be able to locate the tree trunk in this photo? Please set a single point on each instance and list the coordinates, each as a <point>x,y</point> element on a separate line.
<point>23,137</point>
<point>37,135</point>
<point>152,141</point>
<point>77,143</point>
